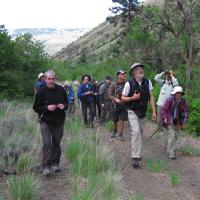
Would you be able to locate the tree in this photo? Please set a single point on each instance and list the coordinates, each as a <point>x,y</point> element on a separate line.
<point>125,7</point>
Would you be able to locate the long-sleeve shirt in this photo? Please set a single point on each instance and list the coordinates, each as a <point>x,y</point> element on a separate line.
<point>82,89</point>
<point>46,97</point>
<point>168,111</point>
<point>166,88</point>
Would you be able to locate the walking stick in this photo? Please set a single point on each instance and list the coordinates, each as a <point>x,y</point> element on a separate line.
<point>155,132</point>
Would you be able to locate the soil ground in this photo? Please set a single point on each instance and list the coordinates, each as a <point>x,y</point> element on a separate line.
<point>152,186</point>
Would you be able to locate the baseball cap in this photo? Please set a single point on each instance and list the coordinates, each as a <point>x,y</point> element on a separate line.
<point>120,72</point>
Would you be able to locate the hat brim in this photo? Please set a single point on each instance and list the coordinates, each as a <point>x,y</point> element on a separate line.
<point>131,71</point>
<point>173,93</point>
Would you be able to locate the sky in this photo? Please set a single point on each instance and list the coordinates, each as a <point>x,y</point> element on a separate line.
<point>53,13</point>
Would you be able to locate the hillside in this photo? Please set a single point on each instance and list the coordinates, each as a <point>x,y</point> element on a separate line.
<point>53,39</point>
<point>92,43</point>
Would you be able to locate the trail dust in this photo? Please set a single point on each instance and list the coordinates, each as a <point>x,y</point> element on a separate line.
<point>155,186</point>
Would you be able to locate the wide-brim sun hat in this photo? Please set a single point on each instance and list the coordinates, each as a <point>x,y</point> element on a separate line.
<point>177,89</point>
<point>135,65</point>
<point>40,75</point>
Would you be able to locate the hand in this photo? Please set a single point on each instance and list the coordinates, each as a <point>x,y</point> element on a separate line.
<point>165,121</point>
<point>136,96</point>
<point>153,116</point>
<point>60,106</point>
<point>51,107</point>
<point>89,92</point>
<point>117,101</point>
<point>102,105</point>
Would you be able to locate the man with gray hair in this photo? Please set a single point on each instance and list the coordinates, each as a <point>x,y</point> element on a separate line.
<point>136,94</point>
<point>50,103</point>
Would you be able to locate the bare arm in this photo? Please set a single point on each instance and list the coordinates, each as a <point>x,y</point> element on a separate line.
<point>153,108</point>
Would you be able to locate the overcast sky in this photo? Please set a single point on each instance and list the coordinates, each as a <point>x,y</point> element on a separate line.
<point>53,13</point>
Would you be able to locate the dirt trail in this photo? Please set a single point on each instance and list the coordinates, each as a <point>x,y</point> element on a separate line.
<point>154,186</point>
<point>59,185</point>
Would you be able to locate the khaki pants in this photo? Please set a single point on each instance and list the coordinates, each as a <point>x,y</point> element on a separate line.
<point>137,126</point>
<point>172,133</point>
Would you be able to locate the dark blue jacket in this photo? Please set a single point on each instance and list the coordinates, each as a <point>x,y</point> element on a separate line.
<point>39,85</point>
<point>70,95</point>
<point>82,89</point>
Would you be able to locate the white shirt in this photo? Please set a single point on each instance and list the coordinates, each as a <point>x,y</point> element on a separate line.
<point>126,89</point>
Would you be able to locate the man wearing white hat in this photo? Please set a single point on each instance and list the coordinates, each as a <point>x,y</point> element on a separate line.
<point>40,82</point>
<point>136,94</point>
<point>174,116</point>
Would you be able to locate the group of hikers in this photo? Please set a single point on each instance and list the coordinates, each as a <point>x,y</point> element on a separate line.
<point>118,100</point>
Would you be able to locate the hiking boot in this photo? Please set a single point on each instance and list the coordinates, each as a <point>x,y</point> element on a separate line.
<point>47,171</point>
<point>55,168</point>
<point>135,162</point>
<point>172,157</point>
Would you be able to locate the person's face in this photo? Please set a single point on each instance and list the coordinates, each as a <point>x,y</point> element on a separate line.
<point>50,80</point>
<point>42,78</point>
<point>122,76</point>
<point>177,96</point>
<point>86,79</point>
<point>138,72</point>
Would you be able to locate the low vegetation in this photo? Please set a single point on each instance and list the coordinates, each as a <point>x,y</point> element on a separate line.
<point>155,165</point>
<point>174,178</point>
<point>95,176</point>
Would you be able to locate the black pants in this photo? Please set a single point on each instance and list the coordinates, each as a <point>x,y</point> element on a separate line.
<point>51,137</point>
<point>85,106</point>
<point>97,107</point>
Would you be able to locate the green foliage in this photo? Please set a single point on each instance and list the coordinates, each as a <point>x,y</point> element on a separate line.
<point>110,126</point>
<point>95,176</point>
<point>73,150</point>
<point>24,164</point>
<point>138,196</point>
<point>155,165</point>
<point>18,142</point>
<point>23,188</point>
<point>174,178</point>
<point>20,62</point>
<point>194,118</point>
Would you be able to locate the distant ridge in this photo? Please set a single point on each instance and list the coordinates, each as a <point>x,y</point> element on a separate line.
<point>54,39</point>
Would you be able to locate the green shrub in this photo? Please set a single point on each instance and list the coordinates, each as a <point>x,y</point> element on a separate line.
<point>194,118</point>
<point>23,188</point>
<point>73,150</point>
<point>155,165</point>
<point>174,179</point>
<point>110,126</point>
<point>24,164</point>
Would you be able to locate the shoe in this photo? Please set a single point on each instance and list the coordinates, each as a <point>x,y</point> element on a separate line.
<point>55,168</point>
<point>135,162</point>
<point>129,123</point>
<point>113,135</point>
<point>47,171</point>
<point>172,157</point>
